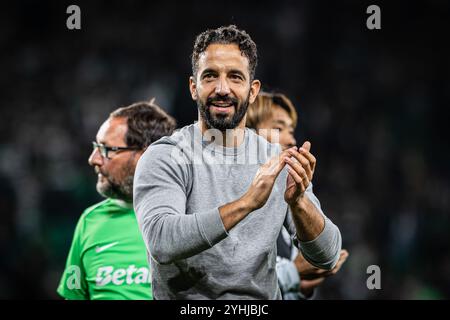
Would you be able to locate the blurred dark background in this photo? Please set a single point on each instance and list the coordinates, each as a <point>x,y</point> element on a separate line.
<point>373,103</point>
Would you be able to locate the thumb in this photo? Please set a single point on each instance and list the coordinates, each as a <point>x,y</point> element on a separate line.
<point>306,145</point>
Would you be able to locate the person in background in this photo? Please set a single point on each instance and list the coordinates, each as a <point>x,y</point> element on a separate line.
<point>274,117</point>
<point>107,259</point>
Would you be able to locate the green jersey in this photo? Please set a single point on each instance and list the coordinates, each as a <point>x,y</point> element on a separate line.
<point>108,258</point>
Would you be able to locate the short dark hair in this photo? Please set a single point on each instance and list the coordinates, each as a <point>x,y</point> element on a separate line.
<point>146,121</point>
<point>226,35</point>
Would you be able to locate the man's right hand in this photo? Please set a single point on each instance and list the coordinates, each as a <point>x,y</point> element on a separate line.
<point>311,277</point>
<point>309,272</point>
<point>257,194</point>
<point>264,180</point>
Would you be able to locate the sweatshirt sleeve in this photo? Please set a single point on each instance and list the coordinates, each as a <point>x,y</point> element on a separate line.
<point>161,186</point>
<point>322,252</point>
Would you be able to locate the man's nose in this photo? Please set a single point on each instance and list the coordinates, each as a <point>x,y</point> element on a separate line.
<point>293,142</point>
<point>95,159</point>
<point>222,87</point>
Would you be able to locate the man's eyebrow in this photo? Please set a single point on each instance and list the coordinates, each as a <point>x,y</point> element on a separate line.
<point>282,122</point>
<point>103,142</point>
<point>237,71</point>
<point>208,70</point>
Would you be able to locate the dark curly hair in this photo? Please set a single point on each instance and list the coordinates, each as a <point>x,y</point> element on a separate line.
<point>226,35</point>
<point>146,121</point>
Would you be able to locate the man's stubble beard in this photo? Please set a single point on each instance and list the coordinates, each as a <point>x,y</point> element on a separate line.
<point>223,123</point>
<point>117,190</point>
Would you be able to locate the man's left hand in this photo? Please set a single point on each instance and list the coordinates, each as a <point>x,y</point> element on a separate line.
<point>301,165</point>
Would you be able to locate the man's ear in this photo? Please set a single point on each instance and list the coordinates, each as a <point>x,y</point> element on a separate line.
<point>193,88</point>
<point>137,154</point>
<point>255,86</point>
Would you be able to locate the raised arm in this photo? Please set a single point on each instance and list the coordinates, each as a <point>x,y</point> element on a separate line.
<point>320,240</point>
<point>161,185</point>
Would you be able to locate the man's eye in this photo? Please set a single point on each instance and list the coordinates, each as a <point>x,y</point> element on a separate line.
<point>208,76</point>
<point>236,77</point>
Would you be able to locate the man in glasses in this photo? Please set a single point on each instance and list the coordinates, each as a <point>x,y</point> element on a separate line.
<point>107,259</point>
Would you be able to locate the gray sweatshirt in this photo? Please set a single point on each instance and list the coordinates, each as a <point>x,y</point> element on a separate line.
<point>180,182</point>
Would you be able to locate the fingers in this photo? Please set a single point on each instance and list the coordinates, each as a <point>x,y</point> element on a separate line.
<point>344,254</point>
<point>272,166</point>
<point>314,274</point>
<point>298,168</point>
<point>300,179</point>
<point>310,284</point>
<point>307,145</point>
<point>301,169</point>
<point>308,155</point>
<point>304,161</point>
<point>295,176</point>
<point>342,258</point>
<point>277,163</point>
<point>322,274</point>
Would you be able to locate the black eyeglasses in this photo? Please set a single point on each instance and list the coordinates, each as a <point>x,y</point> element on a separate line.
<point>105,149</point>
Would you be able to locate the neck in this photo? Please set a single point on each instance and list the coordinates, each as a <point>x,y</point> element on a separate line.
<point>123,203</point>
<point>231,138</point>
